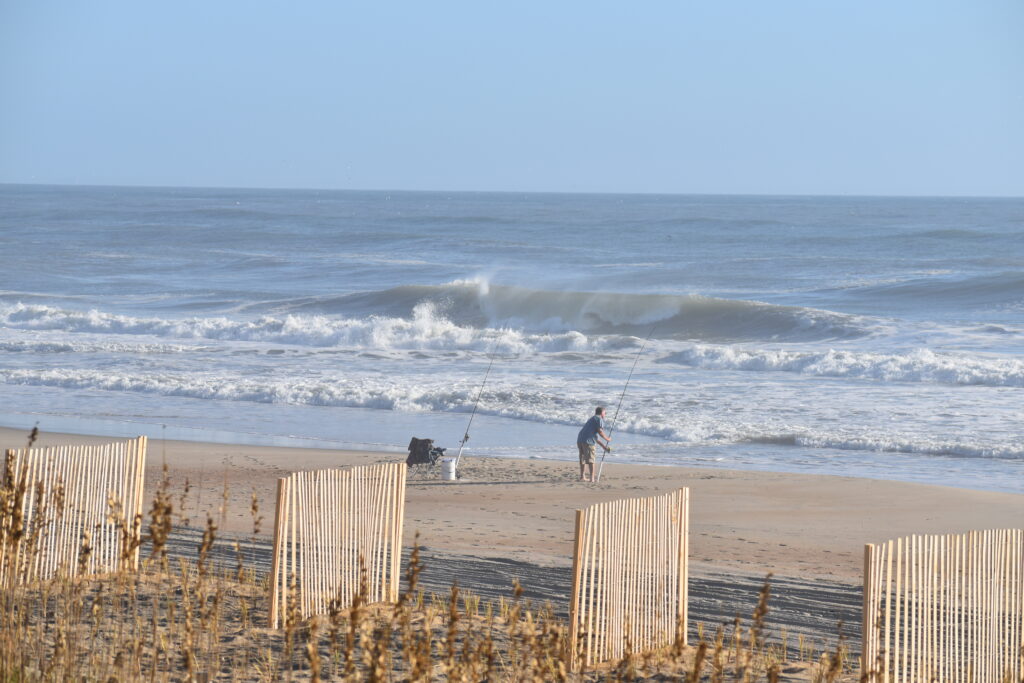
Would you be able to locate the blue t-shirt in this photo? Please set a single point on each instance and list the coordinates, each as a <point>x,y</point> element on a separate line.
<point>589,432</point>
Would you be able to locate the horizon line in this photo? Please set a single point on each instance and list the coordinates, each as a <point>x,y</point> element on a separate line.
<point>538,192</point>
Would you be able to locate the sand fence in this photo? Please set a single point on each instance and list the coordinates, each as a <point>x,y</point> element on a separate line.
<point>947,608</point>
<point>71,509</point>
<point>629,588</point>
<point>336,532</point>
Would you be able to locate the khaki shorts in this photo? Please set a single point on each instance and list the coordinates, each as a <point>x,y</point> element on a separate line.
<point>587,451</point>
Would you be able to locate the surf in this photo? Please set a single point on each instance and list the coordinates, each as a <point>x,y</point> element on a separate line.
<point>919,365</point>
<point>480,304</point>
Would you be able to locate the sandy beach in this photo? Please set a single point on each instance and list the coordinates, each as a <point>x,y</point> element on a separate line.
<point>744,522</point>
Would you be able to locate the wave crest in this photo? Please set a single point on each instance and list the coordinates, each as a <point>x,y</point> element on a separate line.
<point>481,304</point>
<point>981,290</point>
<point>468,315</point>
<point>426,329</point>
<point>919,365</point>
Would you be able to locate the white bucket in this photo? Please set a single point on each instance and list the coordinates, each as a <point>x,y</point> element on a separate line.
<point>448,469</point>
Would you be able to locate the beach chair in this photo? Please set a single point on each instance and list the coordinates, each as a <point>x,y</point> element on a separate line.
<point>423,452</point>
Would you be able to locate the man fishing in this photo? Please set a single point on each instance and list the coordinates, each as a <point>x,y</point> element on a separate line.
<point>587,441</point>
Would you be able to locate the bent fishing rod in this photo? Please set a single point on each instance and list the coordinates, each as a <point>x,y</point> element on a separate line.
<point>462,444</point>
<point>622,396</point>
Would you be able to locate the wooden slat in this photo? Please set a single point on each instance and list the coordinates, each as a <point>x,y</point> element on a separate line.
<point>577,586</point>
<point>867,629</point>
<point>276,569</point>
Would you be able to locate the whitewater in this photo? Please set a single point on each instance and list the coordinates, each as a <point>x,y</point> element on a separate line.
<point>873,337</point>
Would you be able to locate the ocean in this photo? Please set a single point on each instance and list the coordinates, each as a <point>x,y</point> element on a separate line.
<point>857,336</point>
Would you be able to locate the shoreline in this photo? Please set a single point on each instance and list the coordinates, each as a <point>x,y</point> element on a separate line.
<point>742,521</point>
<point>703,458</point>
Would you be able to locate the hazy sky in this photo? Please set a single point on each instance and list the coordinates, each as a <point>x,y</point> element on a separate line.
<point>817,97</point>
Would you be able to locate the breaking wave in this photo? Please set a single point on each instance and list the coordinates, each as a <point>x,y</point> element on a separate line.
<point>467,315</point>
<point>919,365</point>
<point>479,304</point>
<point>425,329</point>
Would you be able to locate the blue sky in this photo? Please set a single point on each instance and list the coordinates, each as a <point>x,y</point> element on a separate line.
<point>916,98</point>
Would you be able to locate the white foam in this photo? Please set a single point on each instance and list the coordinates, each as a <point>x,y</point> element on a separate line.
<point>427,329</point>
<point>539,400</point>
<point>469,315</point>
<point>917,365</point>
<point>889,444</point>
<point>50,347</point>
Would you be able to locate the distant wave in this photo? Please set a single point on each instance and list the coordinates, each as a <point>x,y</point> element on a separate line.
<point>426,329</point>
<point>16,296</point>
<point>892,444</point>
<point>954,234</point>
<point>981,290</point>
<point>48,347</point>
<point>453,219</point>
<point>480,304</point>
<point>714,220</point>
<point>457,315</point>
<point>364,392</point>
<point>921,365</point>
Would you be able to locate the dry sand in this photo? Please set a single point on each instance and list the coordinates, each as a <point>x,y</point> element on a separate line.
<point>510,517</point>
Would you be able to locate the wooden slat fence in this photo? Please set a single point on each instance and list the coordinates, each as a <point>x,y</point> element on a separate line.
<point>945,608</point>
<point>629,577</point>
<point>328,523</point>
<point>58,516</point>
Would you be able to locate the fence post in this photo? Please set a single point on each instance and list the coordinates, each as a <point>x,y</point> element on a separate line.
<point>683,565</point>
<point>142,448</point>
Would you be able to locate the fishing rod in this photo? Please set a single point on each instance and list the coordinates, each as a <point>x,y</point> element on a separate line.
<point>622,396</point>
<point>462,444</point>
